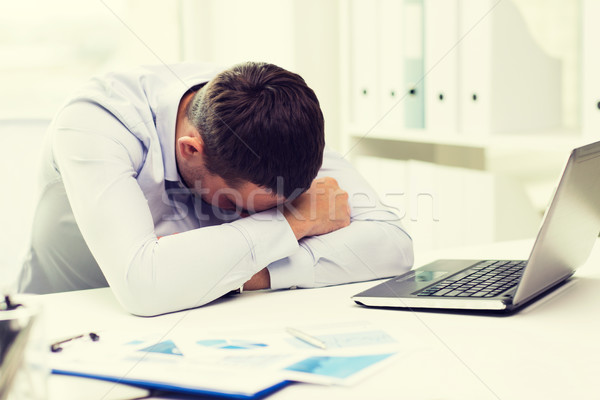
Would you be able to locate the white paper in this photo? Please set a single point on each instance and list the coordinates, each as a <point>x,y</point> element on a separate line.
<point>244,362</point>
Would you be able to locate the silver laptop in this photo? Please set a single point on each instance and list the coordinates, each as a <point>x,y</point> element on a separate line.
<point>566,237</point>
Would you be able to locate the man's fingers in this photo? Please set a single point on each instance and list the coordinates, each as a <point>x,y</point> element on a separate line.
<point>326,180</point>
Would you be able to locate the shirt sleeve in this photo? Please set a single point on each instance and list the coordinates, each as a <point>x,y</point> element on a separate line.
<point>373,246</point>
<point>98,163</point>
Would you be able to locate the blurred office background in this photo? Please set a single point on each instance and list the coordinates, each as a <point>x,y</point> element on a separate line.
<point>460,112</point>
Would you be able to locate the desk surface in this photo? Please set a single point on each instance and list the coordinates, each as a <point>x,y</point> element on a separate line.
<point>549,350</point>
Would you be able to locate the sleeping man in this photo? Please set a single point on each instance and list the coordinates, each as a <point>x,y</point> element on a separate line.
<point>177,184</point>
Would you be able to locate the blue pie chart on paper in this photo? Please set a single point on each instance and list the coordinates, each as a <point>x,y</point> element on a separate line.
<point>230,344</point>
<point>166,347</point>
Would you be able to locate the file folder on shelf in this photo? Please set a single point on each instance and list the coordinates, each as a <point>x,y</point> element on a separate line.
<point>391,84</point>
<point>441,66</point>
<point>414,104</point>
<point>364,63</point>
<point>507,82</point>
<point>591,69</point>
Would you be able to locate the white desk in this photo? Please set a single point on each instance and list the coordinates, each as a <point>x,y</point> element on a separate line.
<point>550,350</point>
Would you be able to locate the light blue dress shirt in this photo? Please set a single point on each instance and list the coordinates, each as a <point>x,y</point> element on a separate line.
<point>111,150</point>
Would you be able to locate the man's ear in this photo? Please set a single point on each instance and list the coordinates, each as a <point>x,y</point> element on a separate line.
<point>191,148</point>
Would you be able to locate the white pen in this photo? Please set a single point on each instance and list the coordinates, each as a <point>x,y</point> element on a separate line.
<point>305,337</point>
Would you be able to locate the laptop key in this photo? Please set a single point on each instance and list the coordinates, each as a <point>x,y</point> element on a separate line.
<point>453,293</point>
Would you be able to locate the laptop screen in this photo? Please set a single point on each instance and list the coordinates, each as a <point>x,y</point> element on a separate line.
<point>569,228</point>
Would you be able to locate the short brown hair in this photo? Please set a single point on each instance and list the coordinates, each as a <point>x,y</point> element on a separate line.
<point>260,122</point>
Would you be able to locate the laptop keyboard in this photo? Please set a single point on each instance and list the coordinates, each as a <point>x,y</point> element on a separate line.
<point>486,279</point>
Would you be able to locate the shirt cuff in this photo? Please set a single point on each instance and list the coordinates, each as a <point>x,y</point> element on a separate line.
<point>296,270</point>
<point>269,236</point>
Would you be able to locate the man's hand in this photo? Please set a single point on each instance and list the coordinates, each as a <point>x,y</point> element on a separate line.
<point>260,280</point>
<point>323,208</point>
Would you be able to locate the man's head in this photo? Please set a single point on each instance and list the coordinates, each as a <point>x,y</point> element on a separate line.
<point>262,125</point>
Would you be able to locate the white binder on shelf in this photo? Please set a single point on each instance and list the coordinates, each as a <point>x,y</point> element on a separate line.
<point>507,82</point>
<point>475,60</point>
<point>391,60</point>
<point>364,64</point>
<point>441,66</point>
<point>590,106</point>
<point>414,104</point>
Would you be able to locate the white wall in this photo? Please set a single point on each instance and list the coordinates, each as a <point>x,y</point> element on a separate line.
<point>20,152</point>
<point>301,36</point>
<point>49,48</point>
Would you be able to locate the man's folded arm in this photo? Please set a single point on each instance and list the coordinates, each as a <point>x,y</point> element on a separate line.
<point>196,267</point>
<point>365,250</point>
<point>374,245</point>
<point>151,276</point>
